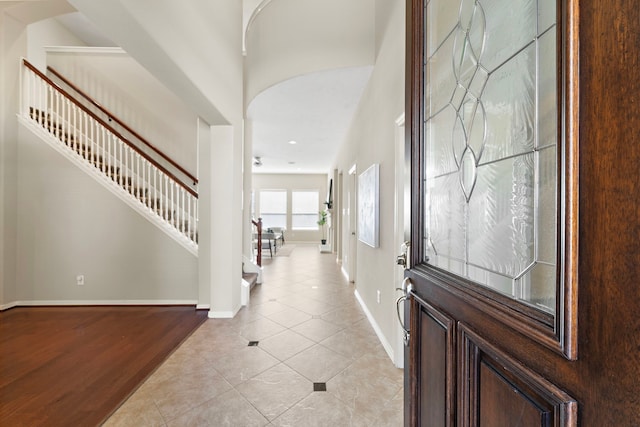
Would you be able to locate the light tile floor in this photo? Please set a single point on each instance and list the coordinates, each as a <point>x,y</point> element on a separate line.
<point>310,329</point>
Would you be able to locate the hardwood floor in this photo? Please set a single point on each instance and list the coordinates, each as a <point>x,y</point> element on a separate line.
<point>62,366</point>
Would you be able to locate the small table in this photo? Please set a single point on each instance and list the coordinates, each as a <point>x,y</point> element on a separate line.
<point>273,237</point>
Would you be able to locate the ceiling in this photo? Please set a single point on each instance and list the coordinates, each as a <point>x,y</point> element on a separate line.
<point>315,110</point>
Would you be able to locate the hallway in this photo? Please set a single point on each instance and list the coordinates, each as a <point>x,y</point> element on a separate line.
<point>304,329</point>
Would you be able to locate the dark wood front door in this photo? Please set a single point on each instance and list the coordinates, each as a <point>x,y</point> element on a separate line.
<point>523,124</point>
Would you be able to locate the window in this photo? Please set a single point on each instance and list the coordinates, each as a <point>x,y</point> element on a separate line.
<point>304,210</point>
<point>273,208</point>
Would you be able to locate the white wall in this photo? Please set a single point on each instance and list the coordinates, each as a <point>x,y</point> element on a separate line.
<point>290,182</point>
<point>371,140</point>
<point>13,45</point>
<point>47,32</point>
<point>68,224</point>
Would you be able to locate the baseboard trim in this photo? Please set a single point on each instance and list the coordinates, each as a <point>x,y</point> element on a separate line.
<point>224,314</point>
<point>344,273</point>
<point>203,307</point>
<point>4,307</point>
<point>37,303</point>
<point>383,340</point>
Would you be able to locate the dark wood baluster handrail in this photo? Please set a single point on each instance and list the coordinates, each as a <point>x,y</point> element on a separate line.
<point>258,225</point>
<point>66,94</point>
<point>121,123</point>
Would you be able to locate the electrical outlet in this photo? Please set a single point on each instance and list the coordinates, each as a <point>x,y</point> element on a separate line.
<point>80,279</point>
<point>378,297</point>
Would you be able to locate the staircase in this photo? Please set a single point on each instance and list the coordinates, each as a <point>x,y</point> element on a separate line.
<point>128,171</point>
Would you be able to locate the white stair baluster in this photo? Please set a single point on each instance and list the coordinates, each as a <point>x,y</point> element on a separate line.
<point>166,198</point>
<point>155,189</point>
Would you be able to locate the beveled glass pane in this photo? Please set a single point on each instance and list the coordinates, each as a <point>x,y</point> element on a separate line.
<point>441,81</point>
<point>465,61</point>
<point>497,282</point>
<point>547,91</point>
<point>442,18</point>
<point>446,218</point>
<point>468,173</point>
<point>439,152</point>
<point>546,205</point>
<point>511,25</point>
<point>479,81</point>
<point>452,265</point>
<point>546,15</point>
<point>473,119</point>
<point>470,39</point>
<point>538,287</point>
<point>501,216</point>
<point>459,95</point>
<point>509,100</point>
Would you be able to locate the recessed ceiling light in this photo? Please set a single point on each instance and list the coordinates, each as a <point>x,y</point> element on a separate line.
<point>292,142</point>
<point>292,163</point>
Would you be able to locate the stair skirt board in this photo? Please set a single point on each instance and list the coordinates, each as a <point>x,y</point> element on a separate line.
<point>53,142</point>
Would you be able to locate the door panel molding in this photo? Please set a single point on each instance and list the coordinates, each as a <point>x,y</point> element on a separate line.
<point>432,367</point>
<point>495,389</point>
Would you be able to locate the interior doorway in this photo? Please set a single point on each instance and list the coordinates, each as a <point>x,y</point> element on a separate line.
<point>339,209</point>
<point>351,221</point>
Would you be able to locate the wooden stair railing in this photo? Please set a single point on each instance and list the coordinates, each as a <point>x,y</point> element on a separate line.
<point>111,116</point>
<point>258,225</point>
<point>103,147</point>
